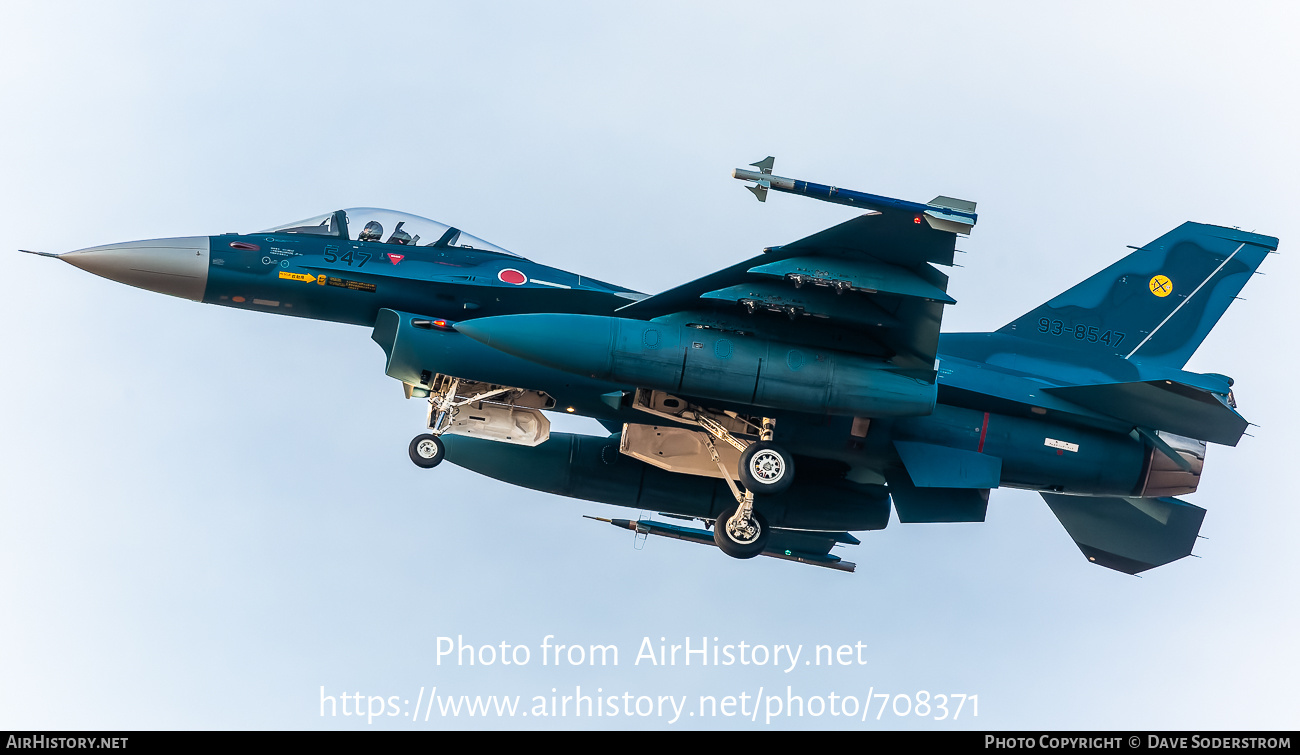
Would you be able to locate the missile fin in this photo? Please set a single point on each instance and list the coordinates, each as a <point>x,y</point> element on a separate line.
<point>960,205</point>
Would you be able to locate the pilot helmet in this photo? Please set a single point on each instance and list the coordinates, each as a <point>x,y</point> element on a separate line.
<point>372,232</point>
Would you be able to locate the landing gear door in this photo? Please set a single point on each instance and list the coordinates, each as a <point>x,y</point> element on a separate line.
<point>518,425</point>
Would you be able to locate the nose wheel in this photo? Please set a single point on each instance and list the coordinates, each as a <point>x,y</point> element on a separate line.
<point>427,451</point>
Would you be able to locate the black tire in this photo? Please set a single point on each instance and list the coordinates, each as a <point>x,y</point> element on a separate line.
<point>748,547</point>
<point>427,451</point>
<point>766,468</point>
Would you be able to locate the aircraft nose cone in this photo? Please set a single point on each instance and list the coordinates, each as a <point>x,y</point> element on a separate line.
<point>178,267</point>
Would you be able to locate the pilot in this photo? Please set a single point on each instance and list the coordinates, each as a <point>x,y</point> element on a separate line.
<point>372,232</point>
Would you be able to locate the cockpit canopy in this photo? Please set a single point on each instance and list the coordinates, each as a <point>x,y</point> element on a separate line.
<point>389,227</point>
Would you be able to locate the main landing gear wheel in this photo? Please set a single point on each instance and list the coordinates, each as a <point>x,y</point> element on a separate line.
<point>741,542</point>
<point>766,468</point>
<point>427,451</point>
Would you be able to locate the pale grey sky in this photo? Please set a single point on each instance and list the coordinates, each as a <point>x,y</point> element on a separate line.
<point>208,514</point>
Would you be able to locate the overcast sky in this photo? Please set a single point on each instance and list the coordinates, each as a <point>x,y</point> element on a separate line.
<point>207,515</point>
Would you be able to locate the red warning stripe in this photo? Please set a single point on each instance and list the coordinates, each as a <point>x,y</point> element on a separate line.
<point>984,430</point>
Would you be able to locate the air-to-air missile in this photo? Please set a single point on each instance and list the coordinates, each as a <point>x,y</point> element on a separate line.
<point>941,213</point>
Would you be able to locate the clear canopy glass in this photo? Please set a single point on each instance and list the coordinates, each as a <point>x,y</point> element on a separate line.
<point>389,227</point>
<point>321,225</point>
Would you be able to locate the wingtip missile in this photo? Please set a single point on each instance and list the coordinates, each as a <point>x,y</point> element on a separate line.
<point>941,213</point>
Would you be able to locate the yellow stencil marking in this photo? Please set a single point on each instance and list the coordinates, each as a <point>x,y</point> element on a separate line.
<point>1161,286</point>
<point>297,276</point>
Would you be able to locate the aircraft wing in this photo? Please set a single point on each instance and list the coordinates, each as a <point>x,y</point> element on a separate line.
<point>866,286</point>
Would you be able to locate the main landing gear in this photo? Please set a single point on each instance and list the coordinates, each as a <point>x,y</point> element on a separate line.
<point>765,469</point>
<point>741,537</point>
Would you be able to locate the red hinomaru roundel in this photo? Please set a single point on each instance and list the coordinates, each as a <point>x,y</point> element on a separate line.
<point>511,275</point>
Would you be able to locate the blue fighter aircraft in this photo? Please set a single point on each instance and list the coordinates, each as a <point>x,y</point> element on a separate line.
<point>787,400</point>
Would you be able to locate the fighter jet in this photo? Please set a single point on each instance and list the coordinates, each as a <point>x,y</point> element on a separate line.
<point>788,400</point>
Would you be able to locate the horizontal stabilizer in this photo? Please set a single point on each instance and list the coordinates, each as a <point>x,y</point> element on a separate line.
<point>933,466</point>
<point>1128,534</point>
<point>1162,405</point>
<point>917,505</point>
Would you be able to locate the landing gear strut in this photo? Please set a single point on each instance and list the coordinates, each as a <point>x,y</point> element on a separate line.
<point>765,469</point>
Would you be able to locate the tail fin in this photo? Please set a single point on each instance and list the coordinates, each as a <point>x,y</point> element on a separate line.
<point>1157,304</point>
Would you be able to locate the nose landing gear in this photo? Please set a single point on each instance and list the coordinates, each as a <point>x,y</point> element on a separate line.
<point>482,410</point>
<point>427,451</point>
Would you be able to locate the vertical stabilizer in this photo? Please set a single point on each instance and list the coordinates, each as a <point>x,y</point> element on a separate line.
<point>1156,305</point>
